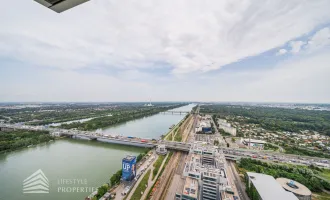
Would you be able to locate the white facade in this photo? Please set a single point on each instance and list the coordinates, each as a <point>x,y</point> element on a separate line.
<point>226,127</point>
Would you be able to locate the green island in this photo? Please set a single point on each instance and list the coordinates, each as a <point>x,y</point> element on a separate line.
<point>17,139</point>
<point>118,117</point>
<point>54,113</point>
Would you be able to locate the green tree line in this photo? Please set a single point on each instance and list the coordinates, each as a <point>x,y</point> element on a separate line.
<point>13,140</point>
<point>301,174</point>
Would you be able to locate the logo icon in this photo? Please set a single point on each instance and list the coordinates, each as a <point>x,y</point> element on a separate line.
<point>126,166</point>
<point>36,183</point>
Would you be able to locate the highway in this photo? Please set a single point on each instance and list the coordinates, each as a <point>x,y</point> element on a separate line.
<point>179,146</point>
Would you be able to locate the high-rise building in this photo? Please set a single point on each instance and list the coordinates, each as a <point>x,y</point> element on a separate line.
<point>129,168</point>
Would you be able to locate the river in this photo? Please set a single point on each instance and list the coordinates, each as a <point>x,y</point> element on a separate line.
<point>71,164</point>
<point>148,127</point>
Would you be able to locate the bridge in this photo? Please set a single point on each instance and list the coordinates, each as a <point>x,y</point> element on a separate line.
<point>230,153</point>
<point>175,112</point>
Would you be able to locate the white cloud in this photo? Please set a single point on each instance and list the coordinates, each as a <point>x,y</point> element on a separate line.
<point>281,52</point>
<point>304,79</point>
<point>320,39</point>
<point>189,35</point>
<point>296,46</point>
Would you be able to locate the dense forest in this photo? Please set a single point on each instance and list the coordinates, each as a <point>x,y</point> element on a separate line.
<point>307,176</point>
<point>13,140</point>
<point>275,119</point>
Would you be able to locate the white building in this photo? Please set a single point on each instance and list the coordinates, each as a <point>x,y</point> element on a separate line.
<point>226,127</point>
<point>268,188</point>
<point>205,174</point>
<point>253,142</point>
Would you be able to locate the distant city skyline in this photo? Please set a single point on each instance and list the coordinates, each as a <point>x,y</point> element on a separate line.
<point>215,51</point>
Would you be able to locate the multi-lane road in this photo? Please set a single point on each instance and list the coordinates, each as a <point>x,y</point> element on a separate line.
<point>278,157</point>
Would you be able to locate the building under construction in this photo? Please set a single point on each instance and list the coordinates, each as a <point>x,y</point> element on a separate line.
<point>205,175</point>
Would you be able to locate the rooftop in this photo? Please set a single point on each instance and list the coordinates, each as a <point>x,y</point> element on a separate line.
<point>268,188</point>
<point>297,188</point>
<point>255,141</point>
<point>190,187</point>
<point>129,158</point>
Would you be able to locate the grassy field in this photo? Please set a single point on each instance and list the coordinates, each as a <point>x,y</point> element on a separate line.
<point>157,165</point>
<point>161,172</point>
<point>141,187</point>
<point>326,174</point>
<point>320,196</point>
<point>178,136</point>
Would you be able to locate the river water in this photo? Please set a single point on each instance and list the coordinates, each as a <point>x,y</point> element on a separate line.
<point>70,164</point>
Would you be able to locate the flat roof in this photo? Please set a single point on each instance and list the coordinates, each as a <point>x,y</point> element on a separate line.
<point>129,158</point>
<point>268,188</point>
<point>190,187</point>
<point>255,141</point>
<point>301,189</point>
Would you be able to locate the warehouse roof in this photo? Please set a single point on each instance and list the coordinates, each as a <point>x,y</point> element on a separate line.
<point>254,141</point>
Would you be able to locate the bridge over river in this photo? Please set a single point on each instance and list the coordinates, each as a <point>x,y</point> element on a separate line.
<point>230,153</point>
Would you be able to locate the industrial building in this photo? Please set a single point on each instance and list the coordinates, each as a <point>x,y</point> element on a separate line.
<point>205,174</point>
<point>267,188</point>
<point>253,143</point>
<point>298,189</point>
<point>204,127</point>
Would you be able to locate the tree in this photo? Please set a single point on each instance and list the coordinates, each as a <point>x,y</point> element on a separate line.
<point>102,190</point>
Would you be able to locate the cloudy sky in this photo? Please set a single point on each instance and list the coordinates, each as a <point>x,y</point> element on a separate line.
<point>166,50</point>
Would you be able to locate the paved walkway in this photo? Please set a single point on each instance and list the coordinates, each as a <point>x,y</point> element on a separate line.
<point>151,167</point>
<point>121,187</point>
<point>151,182</point>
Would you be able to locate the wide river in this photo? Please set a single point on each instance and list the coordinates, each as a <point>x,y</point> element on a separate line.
<point>70,164</point>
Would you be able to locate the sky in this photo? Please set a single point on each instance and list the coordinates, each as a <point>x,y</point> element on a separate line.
<point>173,50</point>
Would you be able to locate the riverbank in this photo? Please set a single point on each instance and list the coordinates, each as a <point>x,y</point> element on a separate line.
<point>20,139</point>
<point>65,159</point>
<point>114,181</point>
<point>117,118</point>
<point>77,159</point>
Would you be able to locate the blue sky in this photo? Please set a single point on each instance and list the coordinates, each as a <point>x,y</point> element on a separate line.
<point>105,50</point>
